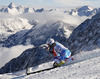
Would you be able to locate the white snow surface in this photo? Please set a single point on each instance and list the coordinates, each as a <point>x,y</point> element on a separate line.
<point>85,66</point>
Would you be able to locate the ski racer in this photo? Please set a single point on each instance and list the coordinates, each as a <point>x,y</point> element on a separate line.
<point>59,51</point>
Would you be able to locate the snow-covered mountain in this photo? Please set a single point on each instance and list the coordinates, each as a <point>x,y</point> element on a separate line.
<point>36,36</point>
<point>10,26</point>
<point>14,24</point>
<point>79,11</point>
<point>84,11</point>
<point>86,36</point>
<point>13,9</point>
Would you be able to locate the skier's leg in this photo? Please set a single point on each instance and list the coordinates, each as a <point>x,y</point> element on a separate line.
<point>58,61</point>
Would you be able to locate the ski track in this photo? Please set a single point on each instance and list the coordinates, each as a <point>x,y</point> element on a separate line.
<point>85,66</point>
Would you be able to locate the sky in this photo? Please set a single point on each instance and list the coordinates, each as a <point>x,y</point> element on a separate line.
<point>94,3</point>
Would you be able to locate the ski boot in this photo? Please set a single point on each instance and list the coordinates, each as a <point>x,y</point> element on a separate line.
<point>58,64</point>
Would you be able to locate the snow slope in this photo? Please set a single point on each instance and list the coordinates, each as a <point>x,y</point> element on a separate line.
<point>85,66</point>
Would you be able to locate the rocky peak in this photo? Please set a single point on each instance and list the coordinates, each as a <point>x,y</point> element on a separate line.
<point>11,5</point>
<point>85,8</point>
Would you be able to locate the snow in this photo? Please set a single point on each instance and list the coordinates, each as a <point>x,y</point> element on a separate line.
<point>85,66</point>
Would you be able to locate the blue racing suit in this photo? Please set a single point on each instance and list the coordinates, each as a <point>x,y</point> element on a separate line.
<point>62,53</point>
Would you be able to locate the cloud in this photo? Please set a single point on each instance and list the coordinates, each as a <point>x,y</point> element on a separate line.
<point>6,54</point>
<point>54,16</point>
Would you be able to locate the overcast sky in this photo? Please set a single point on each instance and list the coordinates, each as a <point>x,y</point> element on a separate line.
<point>94,3</point>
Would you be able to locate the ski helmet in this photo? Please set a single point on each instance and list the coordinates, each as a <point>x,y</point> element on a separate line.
<point>50,41</point>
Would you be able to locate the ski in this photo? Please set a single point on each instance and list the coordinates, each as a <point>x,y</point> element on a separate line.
<point>28,73</point>
<point>39,70</point>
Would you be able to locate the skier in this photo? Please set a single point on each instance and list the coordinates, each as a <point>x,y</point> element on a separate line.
<point>60,52</point>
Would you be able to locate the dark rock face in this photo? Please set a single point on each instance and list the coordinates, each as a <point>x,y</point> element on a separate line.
<point>86,36</point>
<point>30,57</point>
<point>11,5</point>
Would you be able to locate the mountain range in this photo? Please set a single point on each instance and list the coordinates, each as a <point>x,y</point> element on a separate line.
<point>79,11</point>
<point>36,36</point>
<point>84,11</point>
<point>13,9</point>
<point>11,25</point>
